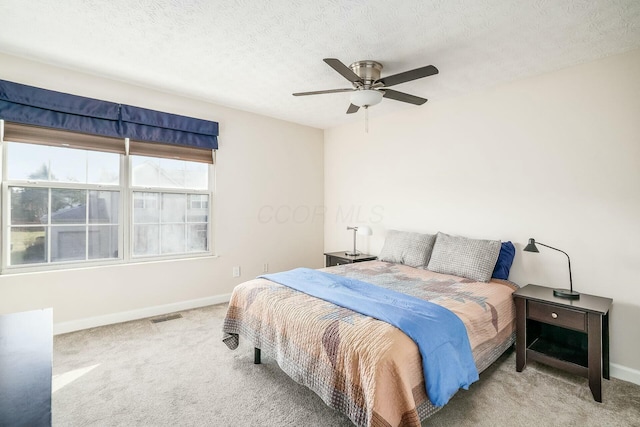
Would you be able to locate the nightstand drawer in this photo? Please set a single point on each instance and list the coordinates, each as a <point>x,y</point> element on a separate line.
<point>558,316</point>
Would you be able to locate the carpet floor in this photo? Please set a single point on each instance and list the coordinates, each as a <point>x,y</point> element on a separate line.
<point>179,373</point>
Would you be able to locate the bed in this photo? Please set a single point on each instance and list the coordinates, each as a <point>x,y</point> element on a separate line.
<point>363,367</point>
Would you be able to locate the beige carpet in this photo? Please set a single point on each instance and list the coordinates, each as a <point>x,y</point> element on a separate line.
<point>179,373</point>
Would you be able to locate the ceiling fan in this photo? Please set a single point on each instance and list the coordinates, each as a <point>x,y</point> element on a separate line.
<point>368,88</point>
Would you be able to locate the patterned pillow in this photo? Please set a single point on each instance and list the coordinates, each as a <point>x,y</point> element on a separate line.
<point>412,249</point>
<point>461,256</point>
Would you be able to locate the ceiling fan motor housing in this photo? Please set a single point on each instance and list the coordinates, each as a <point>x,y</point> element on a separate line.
<point>369,71</point>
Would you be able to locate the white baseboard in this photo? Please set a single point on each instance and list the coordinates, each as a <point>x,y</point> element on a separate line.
<point>125,316</point>
<point>624,373</point>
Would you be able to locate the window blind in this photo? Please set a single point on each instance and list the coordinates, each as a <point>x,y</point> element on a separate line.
<point>15,132</point>
<point>167,151</point>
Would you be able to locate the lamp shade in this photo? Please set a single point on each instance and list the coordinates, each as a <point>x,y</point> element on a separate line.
<point>366,97</point>
<point>365,230</point>
<point>531,246</point>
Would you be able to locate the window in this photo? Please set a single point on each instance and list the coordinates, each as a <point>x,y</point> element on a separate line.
<point>170,206</point>
<point>66,205</point>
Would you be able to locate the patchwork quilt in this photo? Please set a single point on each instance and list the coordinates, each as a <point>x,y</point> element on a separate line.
<point>363,367</point>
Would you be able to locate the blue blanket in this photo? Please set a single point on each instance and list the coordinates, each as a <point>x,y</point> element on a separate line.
<point>441,336</point>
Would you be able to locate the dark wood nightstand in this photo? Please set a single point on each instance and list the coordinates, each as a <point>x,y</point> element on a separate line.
<point>572,335</point>
<point>339,258</point>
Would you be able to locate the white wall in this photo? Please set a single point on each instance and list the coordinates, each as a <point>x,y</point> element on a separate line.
<point>264,167</point>
<point>555,157</point>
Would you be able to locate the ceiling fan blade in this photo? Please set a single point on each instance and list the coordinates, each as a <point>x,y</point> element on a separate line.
<point>352,109</point>
<point>404,97</point>
<point>319,92</point>
<point>345,71</point>
<point>407,76</point>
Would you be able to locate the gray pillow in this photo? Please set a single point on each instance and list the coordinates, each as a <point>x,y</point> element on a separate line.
<point>471,258</point>
<point>412,249</point>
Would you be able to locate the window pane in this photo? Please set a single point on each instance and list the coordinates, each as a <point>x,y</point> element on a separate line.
<point>103,242</point>
<point>197,238</point>
<point>68,206</point>
<point>28,245</point>
<point>145,171</point>
<point>146,207</point>
<point>68,243</point>
<point>103,207</point>
<point>169,173</point>
<point>27,161</point>
<point>104,168</point>
<point>145,240</point>
<point>45,163</point>
<point>196,175</point>
<point>68,165</point>
<point>173,207</point>
<point>198,208</point>
<point>29,205</point>
<point>173,239</point>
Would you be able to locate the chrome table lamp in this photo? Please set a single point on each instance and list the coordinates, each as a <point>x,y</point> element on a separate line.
<point>363,230</point>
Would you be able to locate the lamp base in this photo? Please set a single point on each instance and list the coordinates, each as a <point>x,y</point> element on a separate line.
<point>566,293</point>
<point>352,253</point>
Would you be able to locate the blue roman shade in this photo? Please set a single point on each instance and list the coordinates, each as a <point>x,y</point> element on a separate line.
<point>46,108</point>
<point>40,107</point>
<point>154,126</point>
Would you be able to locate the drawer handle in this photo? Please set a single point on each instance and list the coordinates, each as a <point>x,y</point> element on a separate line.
<point>554,315</point>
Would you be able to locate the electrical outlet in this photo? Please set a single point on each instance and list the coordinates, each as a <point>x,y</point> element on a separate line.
<point>236,271</point>
<point>265,268</point>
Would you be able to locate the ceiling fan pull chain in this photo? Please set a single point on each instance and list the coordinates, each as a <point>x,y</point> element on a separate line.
<point>366,119</point>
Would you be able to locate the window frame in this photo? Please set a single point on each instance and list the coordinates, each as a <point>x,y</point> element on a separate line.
<point>125,212</point>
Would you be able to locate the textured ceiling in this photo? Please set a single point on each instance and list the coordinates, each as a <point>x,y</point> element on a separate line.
<point>252,55</point>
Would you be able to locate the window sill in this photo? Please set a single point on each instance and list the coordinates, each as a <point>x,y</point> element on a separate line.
<point>16,271</point>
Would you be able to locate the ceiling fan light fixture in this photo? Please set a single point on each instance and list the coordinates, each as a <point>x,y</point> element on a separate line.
<point>366,97</point>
